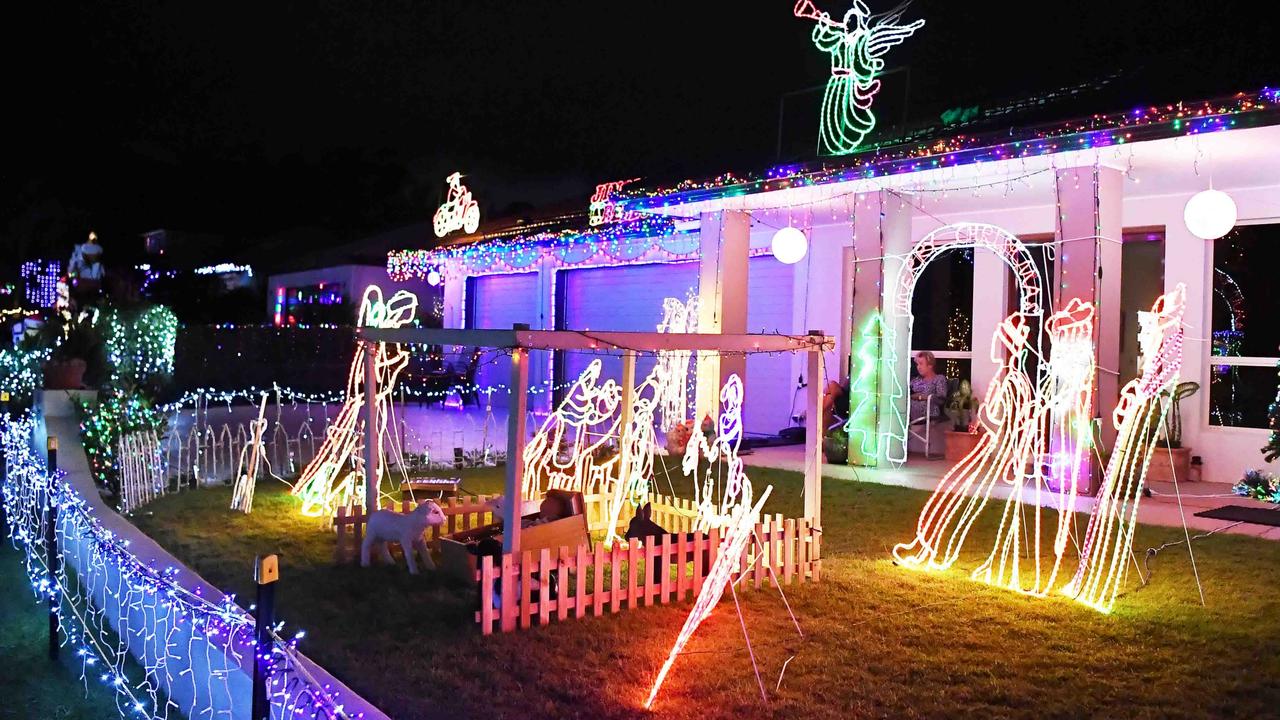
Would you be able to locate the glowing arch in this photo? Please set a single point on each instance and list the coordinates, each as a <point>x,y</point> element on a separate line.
<point>956,236</point>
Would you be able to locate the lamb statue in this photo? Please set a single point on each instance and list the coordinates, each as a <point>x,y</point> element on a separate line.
<point>386,526</point>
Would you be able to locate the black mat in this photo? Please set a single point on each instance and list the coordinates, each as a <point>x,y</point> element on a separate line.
<point>1242,513</point>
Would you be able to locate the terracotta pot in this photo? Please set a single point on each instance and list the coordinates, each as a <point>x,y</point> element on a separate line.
<point>1160,470</point>
<point>64,375</point>
<point>960,444</point>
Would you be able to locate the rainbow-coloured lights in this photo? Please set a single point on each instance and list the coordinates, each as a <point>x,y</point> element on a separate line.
<point>604,209</point>
<point>649,239</point>
<point>857,46</point>
<point>114,610</point>
<point>1137,417</point>
<point>1242,110</point>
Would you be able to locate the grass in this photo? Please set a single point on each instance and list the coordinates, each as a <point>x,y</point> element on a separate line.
<point>31,685</point>
<point>879,641</point>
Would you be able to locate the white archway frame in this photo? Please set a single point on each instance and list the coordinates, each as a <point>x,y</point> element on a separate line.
<point>956,236</point>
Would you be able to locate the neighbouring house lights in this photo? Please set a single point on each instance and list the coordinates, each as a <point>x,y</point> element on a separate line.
<point>789,245</point>
<point>1210,214</point>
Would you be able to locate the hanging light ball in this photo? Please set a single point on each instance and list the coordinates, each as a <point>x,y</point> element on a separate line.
<point>433,277</point>
<point>1210,214</point>
<point>789,245</point>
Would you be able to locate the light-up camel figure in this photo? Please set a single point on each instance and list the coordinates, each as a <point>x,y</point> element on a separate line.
<point>1137,416</point>
<point>332,478</point>
<point>857,46</point>
<point>1060,430</point>
<point>562,455</point>
<point>964,490</point>
<point>734,514</point>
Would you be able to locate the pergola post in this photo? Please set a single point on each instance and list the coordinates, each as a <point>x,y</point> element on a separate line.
<point>371,425</point>
<point>813,433</point>
<point>513,498</point>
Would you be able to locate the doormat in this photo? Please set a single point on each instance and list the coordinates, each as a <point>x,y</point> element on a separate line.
<point>1242,513</point>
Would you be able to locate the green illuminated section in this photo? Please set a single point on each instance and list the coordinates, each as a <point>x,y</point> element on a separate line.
<point>864,392</point>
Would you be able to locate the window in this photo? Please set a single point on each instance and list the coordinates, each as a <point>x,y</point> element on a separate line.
<point>313,305</point>
<point>1245,331</point>
<point>943,309</point>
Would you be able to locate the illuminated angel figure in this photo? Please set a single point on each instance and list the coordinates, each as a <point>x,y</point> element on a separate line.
<point>562,455</point>
<point>1137,416</point>
<point>964,490</point>
<point>332,477</point>
<point>1060,429</point>
<point>857,46</point>
<point>639,441</point>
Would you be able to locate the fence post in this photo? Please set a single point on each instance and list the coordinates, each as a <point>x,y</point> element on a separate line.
<point>53,559</point>
<point>266,572</point>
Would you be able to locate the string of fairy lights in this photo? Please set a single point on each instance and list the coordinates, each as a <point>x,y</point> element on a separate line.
<point>113,609</point>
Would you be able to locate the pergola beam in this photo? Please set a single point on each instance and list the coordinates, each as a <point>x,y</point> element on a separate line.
<point>603,340</point>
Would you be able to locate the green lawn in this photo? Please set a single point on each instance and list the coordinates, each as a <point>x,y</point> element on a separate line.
<point>879,640</point>
<point>32,686</point>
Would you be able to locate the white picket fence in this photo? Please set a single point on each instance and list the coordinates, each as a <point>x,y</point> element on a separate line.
<point>208,454</point>
<point>142,476</point>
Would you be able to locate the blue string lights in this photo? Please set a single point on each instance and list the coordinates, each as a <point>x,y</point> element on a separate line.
<point>40,278</point>
<point>111,605</point>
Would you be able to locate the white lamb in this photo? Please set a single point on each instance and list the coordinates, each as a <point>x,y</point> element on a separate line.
<point>386,526</point>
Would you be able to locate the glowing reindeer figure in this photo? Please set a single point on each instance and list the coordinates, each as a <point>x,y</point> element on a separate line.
<point>963,491</point>
<point>1139,413</point>
<point>734,513</point>
<point>1061,427</point>
<point>332,477</point>
<point>552,461</point>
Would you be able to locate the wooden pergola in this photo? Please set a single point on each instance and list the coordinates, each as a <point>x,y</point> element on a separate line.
<point>520,341</point>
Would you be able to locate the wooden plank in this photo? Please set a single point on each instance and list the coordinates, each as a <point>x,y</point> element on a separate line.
<point>598,340</point>
<point>486,595</point>
<point>701,546</point>
<point>545,568</point>
<point>580,584</point>
<point>509,595</point>
<point>762,554</point>
<point>597,581</point>
<point>525,590</point>
<point>668,562</point>
<point>815,556</point>
<point>650,551</point>
<point>633,559</point>
<point>788,550</point>
<point>615,578</point>
<point>682,576</point>
<point>562,583</point>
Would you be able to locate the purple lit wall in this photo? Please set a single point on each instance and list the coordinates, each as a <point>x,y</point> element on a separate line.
<point>497,302</point>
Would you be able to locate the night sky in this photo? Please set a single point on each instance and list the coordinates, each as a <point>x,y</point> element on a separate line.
<point>251,121</point>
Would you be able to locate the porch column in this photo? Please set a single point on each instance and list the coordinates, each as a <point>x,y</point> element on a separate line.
<point>372,434</point>
<point>863,346</point>
<point>454,299</point>
<point>1089,230</point>
<point>1188,259</point>
<point>990,307</point>
<point>895,351</point>
<point>541,363</point>
<point>724,241</point>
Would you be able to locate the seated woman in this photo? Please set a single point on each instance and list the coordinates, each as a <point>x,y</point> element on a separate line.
<point>835,404</point>
<point>928,390</point>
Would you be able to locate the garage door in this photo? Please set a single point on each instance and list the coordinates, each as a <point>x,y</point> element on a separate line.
<point>620,298</point>
<point>496,302</point>
<point>630,298</point>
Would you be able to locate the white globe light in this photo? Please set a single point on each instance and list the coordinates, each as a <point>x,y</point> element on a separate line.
<point>433,278</point>
<point>789,245</point>
<point>1210,214</point>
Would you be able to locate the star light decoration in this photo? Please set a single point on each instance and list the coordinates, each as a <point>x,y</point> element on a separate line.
<point>736,511</point>
<point>333,477</point>
<point>117,612</point>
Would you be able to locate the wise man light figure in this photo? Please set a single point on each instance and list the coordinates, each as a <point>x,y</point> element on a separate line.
<point>856,46</point>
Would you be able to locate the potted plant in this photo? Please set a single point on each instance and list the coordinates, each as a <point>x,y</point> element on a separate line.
<point>73,345</point>
<point>835,446</point>
<point>1169,443</point>
<point>962,409</point>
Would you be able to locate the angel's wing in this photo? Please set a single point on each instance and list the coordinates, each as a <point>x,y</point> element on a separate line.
<point>884,36</point>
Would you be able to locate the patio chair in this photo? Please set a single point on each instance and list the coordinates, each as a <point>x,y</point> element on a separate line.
<point>925,435</point>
